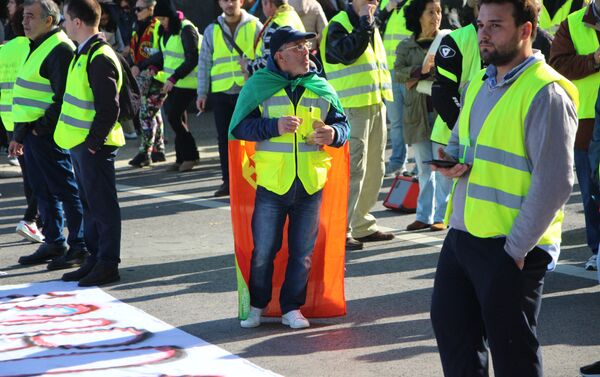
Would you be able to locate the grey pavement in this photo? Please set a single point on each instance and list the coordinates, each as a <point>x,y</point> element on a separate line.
<point>178,265</point>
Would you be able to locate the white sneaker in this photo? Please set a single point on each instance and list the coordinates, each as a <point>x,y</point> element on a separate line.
<point>13,160</point>
<point>253,319</point>
<point>295,320</point>
<point>590,265</point>
<point>29,231</point>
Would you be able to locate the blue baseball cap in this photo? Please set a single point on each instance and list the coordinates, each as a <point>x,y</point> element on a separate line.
<point>286,34</point>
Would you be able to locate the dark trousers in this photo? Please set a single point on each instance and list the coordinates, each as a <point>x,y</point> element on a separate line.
<point>101,213</point>
<point>223,106</point>
<point>270,212</point>
<point>31,213</point>
<point>175,105</point>
<point>590,208</point>
<point>480,299</point>
<point>50,175</point>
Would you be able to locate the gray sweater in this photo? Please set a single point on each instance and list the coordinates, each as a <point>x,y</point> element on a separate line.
<point>205,60</point>
<point>550,127</point>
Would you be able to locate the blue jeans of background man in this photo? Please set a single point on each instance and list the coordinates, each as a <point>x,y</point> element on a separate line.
<point>268,219</point>
<point>50,175</point>
<point>101,213</point>
<point>432,185</point>
<point>395,113</point>
<point>590,209</point>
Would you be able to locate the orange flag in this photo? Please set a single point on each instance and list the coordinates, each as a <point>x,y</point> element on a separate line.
<point>325,291</point>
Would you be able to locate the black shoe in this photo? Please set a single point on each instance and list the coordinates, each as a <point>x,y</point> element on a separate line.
<point>73,258</point>
<point>43,254</point>
<point>592,370</point>
<point>140,160</point>
<point>223,190</point>
<point>353,244</point>
<point>158,157</point>
<point>102,273</point>
<point>81,272</point>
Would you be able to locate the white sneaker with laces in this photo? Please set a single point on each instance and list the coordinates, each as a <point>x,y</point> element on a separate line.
<point>295,320</point>
<point>590,265</point>
<point>253,319</point>
<point>13,160</point>
<point>30,231</point>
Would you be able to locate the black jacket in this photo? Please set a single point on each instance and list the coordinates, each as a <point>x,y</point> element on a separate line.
<point>345,48</point>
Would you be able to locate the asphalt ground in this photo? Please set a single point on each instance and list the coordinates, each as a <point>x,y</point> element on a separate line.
<point>178,265</point>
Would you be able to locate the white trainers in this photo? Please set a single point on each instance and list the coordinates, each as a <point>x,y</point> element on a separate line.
<point>295,320</point>
<point>590,265</point>
<point>13,160</point>
<point>253,319</point>
<point>29,231</point>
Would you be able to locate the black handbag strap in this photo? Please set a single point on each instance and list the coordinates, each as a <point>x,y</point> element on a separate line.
<point>229,39</point>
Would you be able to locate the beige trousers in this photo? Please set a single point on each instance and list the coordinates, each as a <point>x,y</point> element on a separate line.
<point>367,147</point>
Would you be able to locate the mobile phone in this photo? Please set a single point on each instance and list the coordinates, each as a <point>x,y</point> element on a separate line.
<point>441,163</point>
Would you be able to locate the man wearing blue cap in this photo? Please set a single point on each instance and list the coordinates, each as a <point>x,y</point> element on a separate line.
<point>291,113</point>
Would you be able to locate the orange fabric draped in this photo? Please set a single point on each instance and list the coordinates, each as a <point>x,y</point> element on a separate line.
<point>325,291</point>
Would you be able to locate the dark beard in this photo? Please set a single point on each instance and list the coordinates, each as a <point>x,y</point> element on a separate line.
<point>497,58</point>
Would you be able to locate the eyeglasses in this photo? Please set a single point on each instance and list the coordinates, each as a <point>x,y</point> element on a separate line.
<point>139,9</point>
<point>299,47</point>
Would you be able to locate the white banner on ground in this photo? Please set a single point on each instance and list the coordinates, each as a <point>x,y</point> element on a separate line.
<point>59,329</point>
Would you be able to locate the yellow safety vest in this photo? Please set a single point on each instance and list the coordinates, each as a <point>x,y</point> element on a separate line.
<point>551,24</point>
<point>365,82</point>
<point>585,41</point>
<point>284,16</point>
<point>500,174</point>
<point>395,32</point>
<point>226,71</point>
<point>12,57</point>
<point>466,41</point>
<point>279,159</point>
<point>32,93</point>
<point>78,111</point>
<point>173,57</point>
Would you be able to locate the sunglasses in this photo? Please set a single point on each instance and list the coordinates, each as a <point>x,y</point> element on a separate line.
<point>299,47</point>
<point>139,9</point>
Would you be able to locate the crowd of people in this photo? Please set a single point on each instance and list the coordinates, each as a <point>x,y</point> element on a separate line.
<point>505,92</point>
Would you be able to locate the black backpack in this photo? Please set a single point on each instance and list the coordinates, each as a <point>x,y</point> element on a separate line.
<point>130,97</point>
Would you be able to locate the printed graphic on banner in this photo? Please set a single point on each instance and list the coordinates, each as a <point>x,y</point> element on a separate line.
<point>56,328</point>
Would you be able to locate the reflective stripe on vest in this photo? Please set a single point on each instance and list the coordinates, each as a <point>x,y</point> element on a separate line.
<point>585,41</point>
<point>32,93</point>
<point>365,82</point>
<point>468,45</point>
<point>284,16</point>
<point>500,174</point>
<point>226,71</point>
<point>551,24</point>
<point>276,158</point>
<point>78,110</point>
<point>395,32</point>
<point>12,57</point>
<point>174,56</point>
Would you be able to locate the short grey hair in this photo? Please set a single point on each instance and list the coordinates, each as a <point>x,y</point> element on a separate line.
<point>49,8</point>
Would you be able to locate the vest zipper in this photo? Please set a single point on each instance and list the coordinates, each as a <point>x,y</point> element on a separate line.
<point>295,103</point>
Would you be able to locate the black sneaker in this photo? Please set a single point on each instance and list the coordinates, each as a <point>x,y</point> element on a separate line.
<point>222,191</point>
<point>140,160</point>
<point>592,370</point>
<point>102,273</point>
<point>158,157</point>
<point>73,258</point>
<point>43,254</point>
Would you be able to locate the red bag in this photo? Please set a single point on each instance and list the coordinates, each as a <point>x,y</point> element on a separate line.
<point>403,195</point>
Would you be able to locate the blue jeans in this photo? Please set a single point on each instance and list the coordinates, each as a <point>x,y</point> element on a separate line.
<point>101,213</point>
<point>590,210</point>
<point>395,113</point>
<point>431,185</point>
<point>50,175</point>
<point>268,219</point>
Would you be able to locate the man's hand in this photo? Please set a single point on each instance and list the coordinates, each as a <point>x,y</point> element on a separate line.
<point>168,86</point>
<point>288,124</point>
<point>201,104</point>
<point>369,11</point>
<point>15,149</point>
<point>428,64</point>
<point>597,56</point>
<point>243,64</point>
<point>520,264</point>
<point>135,71</point>
<point>324,135</point>
<point>454,172</point>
